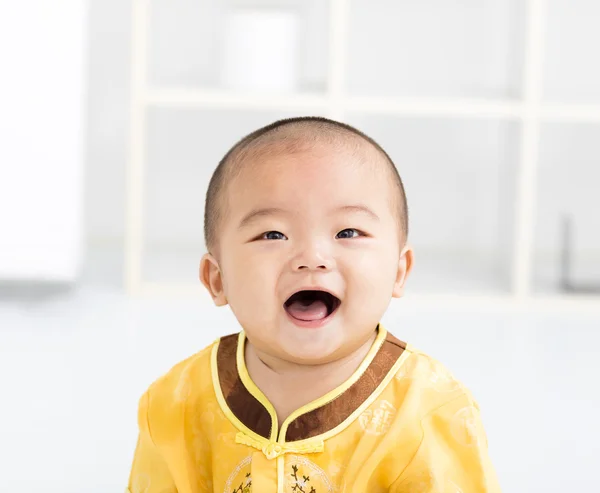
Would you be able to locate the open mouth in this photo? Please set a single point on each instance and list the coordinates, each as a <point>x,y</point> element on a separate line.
<point>309,306</point>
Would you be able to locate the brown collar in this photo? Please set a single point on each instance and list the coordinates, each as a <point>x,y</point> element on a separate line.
<point>255,416</point>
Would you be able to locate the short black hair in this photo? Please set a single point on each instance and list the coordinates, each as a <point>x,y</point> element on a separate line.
<point>213,210</point>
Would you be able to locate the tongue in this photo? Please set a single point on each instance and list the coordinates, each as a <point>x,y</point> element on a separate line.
<point>308,310</point>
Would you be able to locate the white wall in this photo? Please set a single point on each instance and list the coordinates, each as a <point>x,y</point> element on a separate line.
<point>42,87</point>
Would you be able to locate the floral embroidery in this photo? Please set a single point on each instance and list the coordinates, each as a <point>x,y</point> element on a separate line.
<point>429,373</point>
<point>240,480</point>
<point>304,476</point>
<point>301,476</point>
<point>334,469</point>
<point>378,419</point>
<point>301,484</point>
<point>464,427</point>
<point>245,486</point>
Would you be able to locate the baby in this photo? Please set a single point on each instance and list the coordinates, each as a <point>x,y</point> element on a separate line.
<point>306,226</point>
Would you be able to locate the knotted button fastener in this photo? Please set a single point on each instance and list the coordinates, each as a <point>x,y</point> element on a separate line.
<point>272,450</point>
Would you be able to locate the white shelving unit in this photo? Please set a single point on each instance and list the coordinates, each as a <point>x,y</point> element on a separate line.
<point>487,130</point>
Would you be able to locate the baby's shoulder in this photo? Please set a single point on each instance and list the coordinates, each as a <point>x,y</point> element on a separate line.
<point>419,367</point>
<point>423,377</point>
<point>165,398</point>
<point>179,379</point>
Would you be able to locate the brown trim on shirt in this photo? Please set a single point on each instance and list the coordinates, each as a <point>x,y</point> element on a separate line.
<point>316,422</point>
<point>332,414</point>
<point>241,402</point>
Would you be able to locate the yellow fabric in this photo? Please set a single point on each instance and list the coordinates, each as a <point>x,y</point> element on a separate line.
<point>419,432</point>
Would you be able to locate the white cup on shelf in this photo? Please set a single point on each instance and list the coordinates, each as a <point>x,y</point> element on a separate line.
<point>260,50</point>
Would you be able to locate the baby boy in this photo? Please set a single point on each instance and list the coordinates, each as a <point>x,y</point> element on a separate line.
<point>306,225</point>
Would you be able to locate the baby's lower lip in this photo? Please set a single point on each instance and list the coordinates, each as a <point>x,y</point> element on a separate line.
<point>312,324</point>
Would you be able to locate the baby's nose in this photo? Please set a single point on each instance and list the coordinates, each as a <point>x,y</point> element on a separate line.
<point>313,266</point>
<point>313,258</point>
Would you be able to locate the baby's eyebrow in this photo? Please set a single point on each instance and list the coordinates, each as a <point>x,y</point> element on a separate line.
<point>359,208</point>
<point>258,213</point>
<point>273,211</point>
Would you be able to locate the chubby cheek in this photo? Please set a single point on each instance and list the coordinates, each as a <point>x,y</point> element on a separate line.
<point>250,286</point>
<point>370,276</point>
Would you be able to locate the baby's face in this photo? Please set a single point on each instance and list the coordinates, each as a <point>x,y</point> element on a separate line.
<point>302,223</point>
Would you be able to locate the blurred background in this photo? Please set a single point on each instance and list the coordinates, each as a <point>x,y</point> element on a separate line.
<point>113,115</point>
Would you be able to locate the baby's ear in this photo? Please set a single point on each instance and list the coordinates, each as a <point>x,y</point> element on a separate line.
<point>210,276</point>
<point>405,264</point>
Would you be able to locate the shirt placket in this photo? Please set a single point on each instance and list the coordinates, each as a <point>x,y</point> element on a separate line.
<point>264,473</point>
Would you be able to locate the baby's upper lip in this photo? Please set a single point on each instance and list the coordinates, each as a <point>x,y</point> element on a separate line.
<point>313,288</point>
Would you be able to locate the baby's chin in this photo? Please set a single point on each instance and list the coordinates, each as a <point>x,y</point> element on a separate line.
<point>311,346</point>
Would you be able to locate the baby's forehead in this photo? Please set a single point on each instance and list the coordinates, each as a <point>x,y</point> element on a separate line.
<point>301,176</point>
<point>274,152</point>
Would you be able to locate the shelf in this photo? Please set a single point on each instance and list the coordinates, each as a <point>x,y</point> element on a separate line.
<point>568,178</point>
<point>436,272</point>
<point>452,93</point>
<point>443,107</point>
<point>416,303</point>
<point>570,112</point>
<point>457,107</point>
<point>459,176</point>
<point>182,97</point>
<point>435,48</point>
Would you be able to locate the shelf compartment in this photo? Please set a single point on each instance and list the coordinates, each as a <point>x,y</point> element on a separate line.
<point>572,43</point>
<point>568,199</point>
<point>460,181</point>
<point>469,50</point>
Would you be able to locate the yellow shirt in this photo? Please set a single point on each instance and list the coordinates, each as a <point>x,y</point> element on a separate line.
<point>400,423</point>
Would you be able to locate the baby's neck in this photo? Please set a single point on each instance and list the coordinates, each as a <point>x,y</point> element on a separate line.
<point>290,386</point>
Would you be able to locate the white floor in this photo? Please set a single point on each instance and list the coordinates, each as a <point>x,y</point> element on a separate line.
<point>73,364</point>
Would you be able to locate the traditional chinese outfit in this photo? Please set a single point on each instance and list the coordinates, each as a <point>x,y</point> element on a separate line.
<point>400,423</point>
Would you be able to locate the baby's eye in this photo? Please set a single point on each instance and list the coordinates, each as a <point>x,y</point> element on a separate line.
<point>348,233</point>
<point>273,235</point>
